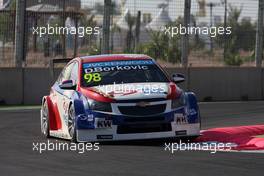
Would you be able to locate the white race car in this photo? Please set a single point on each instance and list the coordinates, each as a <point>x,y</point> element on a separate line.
<point>118,97</point>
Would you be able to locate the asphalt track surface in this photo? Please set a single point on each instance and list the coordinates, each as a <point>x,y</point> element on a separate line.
<point>20,128</point>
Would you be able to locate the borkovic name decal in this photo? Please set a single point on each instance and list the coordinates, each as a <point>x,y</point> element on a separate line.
<point>117,66</point>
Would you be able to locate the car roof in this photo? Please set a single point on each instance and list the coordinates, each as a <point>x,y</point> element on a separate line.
<point>114,57</point>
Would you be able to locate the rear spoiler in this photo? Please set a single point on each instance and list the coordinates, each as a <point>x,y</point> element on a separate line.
<point>57,61</point>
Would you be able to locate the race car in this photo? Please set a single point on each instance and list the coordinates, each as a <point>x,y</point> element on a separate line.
<point>118,97</point>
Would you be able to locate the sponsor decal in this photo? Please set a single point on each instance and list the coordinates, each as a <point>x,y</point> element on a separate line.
<point>104,136</point>
<point>103,123</point>
<point>115,66</point>
<point>88,118</point>
<point>92,77</point>
<point>118,63</point>
<point>180,119</point>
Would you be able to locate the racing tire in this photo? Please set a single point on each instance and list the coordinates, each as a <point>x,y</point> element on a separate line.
<point>72,124</point>
<point>45,128</point>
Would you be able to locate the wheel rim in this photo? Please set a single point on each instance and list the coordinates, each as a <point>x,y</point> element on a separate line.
<point>45,119</point>
<point>71,123</point>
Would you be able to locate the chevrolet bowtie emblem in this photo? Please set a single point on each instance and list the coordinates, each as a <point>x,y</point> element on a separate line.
<point>143,104</point>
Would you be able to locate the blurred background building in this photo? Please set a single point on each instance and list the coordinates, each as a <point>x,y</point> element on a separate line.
<point>135,27</point>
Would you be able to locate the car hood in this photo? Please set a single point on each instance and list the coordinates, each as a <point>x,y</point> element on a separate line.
<point>134,90</point>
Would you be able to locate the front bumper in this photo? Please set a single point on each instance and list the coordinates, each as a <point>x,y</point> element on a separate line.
<point>110,134</point>
<point>99,126</point>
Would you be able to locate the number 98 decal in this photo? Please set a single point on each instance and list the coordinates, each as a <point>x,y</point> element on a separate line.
<point>92,77</point>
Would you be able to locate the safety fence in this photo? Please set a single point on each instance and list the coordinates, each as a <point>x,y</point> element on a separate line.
<point>220,32</point>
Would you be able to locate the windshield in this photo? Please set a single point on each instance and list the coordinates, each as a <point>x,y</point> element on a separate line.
<point>118,72</point>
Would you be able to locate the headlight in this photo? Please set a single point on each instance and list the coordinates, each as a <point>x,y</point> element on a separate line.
<point>99,106</point>
<point>179,102</point>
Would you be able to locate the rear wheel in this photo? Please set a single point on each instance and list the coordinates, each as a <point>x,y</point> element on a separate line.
<point>45,129</point>
<point>71,124</point>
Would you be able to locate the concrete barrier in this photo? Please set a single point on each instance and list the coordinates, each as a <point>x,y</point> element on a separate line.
<point>11,85</point>
<point>37,81</point>
<point>27,86</point>
<point>222,84</point>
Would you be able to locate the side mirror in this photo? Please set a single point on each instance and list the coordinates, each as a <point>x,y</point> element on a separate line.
<point>178,78</point>
<point>67,85</point>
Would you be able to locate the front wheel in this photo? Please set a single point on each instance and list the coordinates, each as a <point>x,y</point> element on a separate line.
<point>45,129</point>
<point>72,124</point>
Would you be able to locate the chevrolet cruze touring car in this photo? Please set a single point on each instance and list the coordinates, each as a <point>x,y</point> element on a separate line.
<point>118,97</point>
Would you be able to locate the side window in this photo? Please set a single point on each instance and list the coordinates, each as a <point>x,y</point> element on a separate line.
<point>74,73</point>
